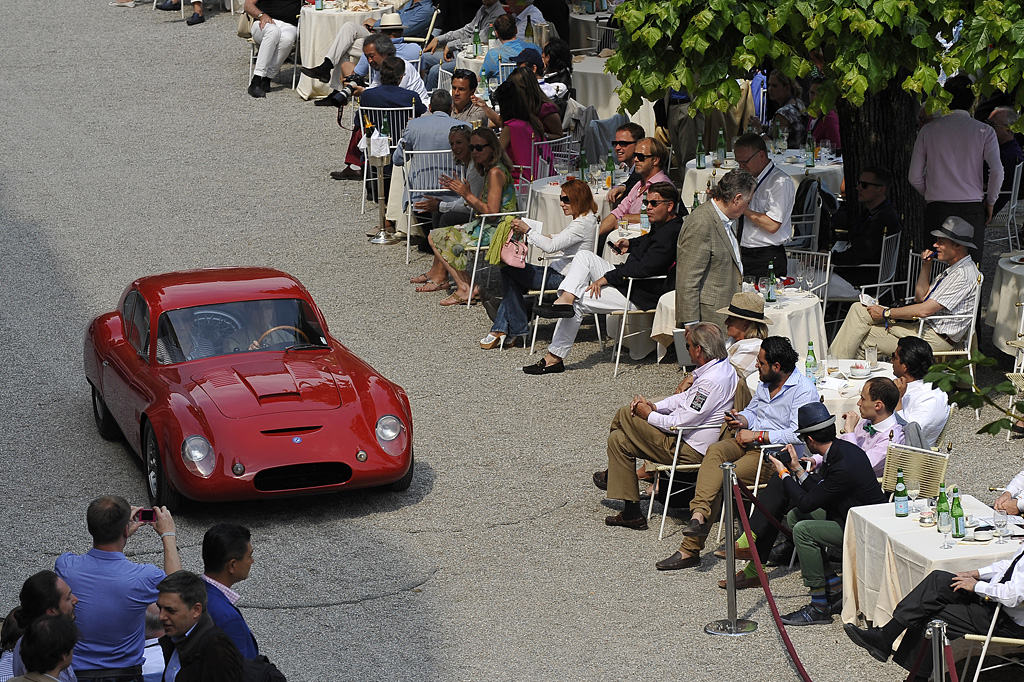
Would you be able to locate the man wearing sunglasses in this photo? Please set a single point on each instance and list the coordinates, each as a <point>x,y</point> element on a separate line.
<point>624,144</point>
<point>863,242</point>
<point>765,227</point>
<point>650,157</point>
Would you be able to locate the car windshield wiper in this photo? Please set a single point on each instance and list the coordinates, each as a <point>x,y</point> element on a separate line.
<point>307,346</point>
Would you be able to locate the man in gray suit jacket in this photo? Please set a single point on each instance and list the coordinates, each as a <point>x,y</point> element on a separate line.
<point>709,269</point>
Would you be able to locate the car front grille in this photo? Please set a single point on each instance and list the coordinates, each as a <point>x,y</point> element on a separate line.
<point>301,476</point>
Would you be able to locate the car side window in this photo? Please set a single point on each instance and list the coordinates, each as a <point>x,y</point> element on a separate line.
<point>138,334</point>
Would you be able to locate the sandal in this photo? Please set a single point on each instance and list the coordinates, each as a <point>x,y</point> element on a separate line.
<point>492,340</point>
<point>420,279</point>
<point>431,286</point>
<point>454,299</point>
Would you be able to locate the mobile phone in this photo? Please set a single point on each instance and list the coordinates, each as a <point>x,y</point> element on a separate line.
<point>613,247</point>
<point>146,516</point>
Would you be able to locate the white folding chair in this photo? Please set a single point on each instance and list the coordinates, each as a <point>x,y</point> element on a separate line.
<point>549,153</point>
<point>807,223</point>
<point>962,347</point>
<point>254,50</point>
<point>910,283</point>
<point>625,313</point>
<point>477,248</point>
<point>422,171</point>
<point>672,469</point>
<point>1016,377</point>
<point>818,263</point>
<point>395,121</point>
<point>1012,237</point>
<point>444,80</point>
<point>505,70</point>
<point>988,639</point>
<point>886,273</point>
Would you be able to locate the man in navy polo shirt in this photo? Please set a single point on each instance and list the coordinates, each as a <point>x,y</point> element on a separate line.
<point>227,559</point>
<point>113,592</point>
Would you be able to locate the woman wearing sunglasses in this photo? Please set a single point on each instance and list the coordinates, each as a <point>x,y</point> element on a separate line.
<point>510,321</point>
<point>450,244</point>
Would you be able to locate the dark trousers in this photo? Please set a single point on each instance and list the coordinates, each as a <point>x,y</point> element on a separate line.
<point>776,501</point>
<point>755,261</point>
<point>962,611</point>
<point>935,212</point>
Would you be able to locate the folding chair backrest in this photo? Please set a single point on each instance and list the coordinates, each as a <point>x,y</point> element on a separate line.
<point>820,263</point>
<point>887,265</point>
<point>423,170</point>
<point>547,154</point>
<point>396,119</point>
<point>806,216</point>
<point>430,30</point>
<point>914,269</point>
<point>928,466</point>
<point>505,70</point>
<point>444,80</point>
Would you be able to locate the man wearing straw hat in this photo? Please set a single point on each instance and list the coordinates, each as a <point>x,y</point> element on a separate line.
<point>952,293</point>
<point>710,269</point>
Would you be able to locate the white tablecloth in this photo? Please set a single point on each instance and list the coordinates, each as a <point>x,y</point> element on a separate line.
<point>697,180</point>
<point>595,87</point>
<point>1003,313</point>
<point>840,398</point>
<point>885,557</point>
<point>318,32</point>
<point>583,29</point>
<point>797,316</point>
<point>474,64</point>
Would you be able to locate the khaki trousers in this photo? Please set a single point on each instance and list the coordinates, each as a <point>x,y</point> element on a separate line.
<point>632,438</point>
<point>859,330</point>
<point>707,498</point>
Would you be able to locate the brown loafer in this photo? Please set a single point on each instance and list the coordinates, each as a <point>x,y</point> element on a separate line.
<point>695,528</point>
<point>601,479</point>
<point>617,520</point>
<point>741,553</point>
<point>677,561</point>
<point>742,581</point>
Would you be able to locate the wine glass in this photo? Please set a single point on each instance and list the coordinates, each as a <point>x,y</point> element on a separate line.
<point>762,287</point>
<point>999,519</point>
<point>797,270</point>
<point>826,151</point>
<point>809,277</point>
<point>945,527</point>
<point>913,484</point>
<point>749,284</point>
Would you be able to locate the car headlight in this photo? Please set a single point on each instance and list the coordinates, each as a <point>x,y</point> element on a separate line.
<point>391,435</point>
<point>198,455</point>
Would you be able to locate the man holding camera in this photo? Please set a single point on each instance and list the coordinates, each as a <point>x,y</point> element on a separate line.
<point>113,592</point>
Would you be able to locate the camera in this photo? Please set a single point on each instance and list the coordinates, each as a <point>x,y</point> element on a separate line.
<point>345,94</point>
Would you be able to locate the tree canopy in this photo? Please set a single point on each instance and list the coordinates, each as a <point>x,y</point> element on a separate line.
<point>701,46</point>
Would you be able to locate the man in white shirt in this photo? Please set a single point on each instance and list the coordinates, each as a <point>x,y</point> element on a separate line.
<point>765,226</point>
<point>643,429</point>
<point>964,600</point>
<point>874,426</point>
<point>919,402</point>
<point>1012,499</point>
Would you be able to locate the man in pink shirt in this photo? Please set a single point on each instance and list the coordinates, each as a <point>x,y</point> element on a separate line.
<point>947,164</point>
<point>650,157</point>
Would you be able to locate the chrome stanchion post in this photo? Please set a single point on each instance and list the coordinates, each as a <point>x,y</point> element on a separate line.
<point>937,632</point>
<point>732,625</point>
<point>382,236</point>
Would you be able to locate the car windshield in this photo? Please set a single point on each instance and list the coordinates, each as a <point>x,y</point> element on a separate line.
<point>240,327</point>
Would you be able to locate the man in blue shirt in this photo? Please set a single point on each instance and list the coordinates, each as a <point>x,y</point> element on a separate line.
<point>524,10</point>
<point>416,16</point>
<point>770,417</point>
<point>114,592</point>
<point>511,46</point>
<point>227,559</point>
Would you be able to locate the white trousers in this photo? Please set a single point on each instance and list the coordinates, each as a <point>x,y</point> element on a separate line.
<point>276,40</point>
<point>585,268</point>
<point>348,43</point>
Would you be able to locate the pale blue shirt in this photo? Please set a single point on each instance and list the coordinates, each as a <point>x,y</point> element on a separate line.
<point>507,52</point>
<point>777,415</point>
<point>533,13</point>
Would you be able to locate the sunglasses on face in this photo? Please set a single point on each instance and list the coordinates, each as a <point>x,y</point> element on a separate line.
<point>863,184</point>
<point>623,143</point>
<point>479,147</point>
<point>564,199</point>
<point>640,156</point>
<point>654,203</point>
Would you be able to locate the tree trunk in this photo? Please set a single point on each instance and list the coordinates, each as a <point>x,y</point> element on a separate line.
<point>882,133</point>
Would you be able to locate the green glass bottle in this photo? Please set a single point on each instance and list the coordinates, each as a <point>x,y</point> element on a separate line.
<point>901,498</point>
<point>609,168</point>
<point>942,504</point>
<point>956,511</point>
<point>809,151</point>
<point>696,201</point>
<point>701,161</point>
<point>528,34</point>
<point>476,43</point>
<point>720,147</point>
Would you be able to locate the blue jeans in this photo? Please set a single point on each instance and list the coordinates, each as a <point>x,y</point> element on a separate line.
<point>515,282</point>
<point>432,75</point>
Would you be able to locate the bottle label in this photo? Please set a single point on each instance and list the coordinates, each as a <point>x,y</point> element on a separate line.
<point>959,527</point>
<point>902,506</point>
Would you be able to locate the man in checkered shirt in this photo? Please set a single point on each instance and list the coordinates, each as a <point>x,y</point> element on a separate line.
<point>952,293</point>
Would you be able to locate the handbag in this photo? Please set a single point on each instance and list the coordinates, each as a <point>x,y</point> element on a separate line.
<point>513,252</point>
<point>244,26</point>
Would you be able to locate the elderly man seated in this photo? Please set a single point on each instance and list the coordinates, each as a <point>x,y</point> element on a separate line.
<point>952,293</point>
<point>643,428</point>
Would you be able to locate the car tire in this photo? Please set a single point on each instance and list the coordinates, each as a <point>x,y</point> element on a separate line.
<point>405,481</point>
<point>160,492</point>
<point>105,424</point>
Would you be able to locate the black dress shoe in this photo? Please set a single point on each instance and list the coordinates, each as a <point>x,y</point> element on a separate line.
<point>871,640</point>
<point>601,479</point>
<point>169,6</point>
<point>348,173</point>
<point>255,87</point>
<point>677,561</point>
<point>321,73</point>
<point>332,100</point>
<point>542,368</point>
<point>695,528</point>
<point>196,18</point>
<point>265,83</point>
<point>554,310</point>
<point>639,523</point>
<point>781,554</point>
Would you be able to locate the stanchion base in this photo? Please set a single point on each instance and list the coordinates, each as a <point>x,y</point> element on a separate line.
<point>725,627</point>
<point>383,237</point>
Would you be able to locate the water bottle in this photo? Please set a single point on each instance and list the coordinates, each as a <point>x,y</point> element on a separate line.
<point>942,504</point>
<point>476,43</point>
<point>811,363</point>
<point>609,167</point>
<point>528,33</point>
<point>900,497</point>
<point>956,511</point>
<point>720,150</point>
<point>696,202</point>
<point>319,4</point>
<point>492,40</point>
<point>809,151</point>
<point>701,162</point>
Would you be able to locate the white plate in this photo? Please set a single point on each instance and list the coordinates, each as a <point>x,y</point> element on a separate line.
<point>1017,260</point>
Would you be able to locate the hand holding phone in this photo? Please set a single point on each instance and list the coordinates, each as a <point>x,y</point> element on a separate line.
<point>613,247</point>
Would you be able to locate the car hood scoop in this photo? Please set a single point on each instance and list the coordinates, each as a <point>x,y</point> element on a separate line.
<point>262,387</point>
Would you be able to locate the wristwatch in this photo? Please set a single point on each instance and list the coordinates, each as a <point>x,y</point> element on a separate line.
<point>259,16</point>
<point>887,314</point>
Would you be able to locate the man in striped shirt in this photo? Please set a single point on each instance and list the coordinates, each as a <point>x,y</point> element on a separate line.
<point>952,293</point>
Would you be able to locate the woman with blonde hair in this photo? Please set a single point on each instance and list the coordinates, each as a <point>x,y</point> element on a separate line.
<point>747,326</point>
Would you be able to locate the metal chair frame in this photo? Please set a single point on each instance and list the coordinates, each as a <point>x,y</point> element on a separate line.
<point>886,273</point>
<point>821,263</point>
<point>987,639</point>
<point>397,119</point>
<point>1010,222</point>
<point>254,51</point>
<point>430,29</point>
<point>807,225</point>
<point>1016,377</point>
<point>422,171</point>
<point>625,313</point>
<point>477,248</point>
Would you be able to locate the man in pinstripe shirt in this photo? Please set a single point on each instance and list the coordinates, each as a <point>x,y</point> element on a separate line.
<point>952,293</point>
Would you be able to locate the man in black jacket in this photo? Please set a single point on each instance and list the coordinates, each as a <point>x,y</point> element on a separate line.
<point>594,285</point>
<point>195,650</point>
<point>820,502</point>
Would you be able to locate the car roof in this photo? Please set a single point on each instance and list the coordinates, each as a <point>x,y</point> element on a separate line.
<point>188,288</point>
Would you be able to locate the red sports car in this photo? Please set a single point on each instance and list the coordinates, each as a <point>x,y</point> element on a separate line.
<point>229,386</point>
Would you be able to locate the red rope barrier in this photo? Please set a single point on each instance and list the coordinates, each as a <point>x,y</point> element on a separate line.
<point>760,507</point>
<point>736,489</point>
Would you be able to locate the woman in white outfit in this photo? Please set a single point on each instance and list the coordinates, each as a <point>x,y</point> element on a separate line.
<point>746,325</point>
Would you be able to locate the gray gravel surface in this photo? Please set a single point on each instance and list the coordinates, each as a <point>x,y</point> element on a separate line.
<point>130,147</point>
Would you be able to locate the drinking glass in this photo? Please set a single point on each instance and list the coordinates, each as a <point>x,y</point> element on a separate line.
<point>999,519</point>
<point>831,364</point>
<point>749,285</point>
<point>945,527</point>
<point>623,226</point>
<point>826,151</point>
<point>871,355</point>
<point>913,490</point>
<point>762,287</point>
<point>783,145</point>
<point>809,276</point>
<point>796,269</point>
<point>596,175</point>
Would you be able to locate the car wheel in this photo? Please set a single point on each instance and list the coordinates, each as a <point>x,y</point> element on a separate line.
<point>160,492</point>
<point>105,424</point>
<point>404,482</point>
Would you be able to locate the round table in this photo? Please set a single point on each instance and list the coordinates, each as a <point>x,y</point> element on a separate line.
<point>797,316</point>
<point>596,87</point>
<point>1003,313</point>
<point>831,175</point>
<point>319,28</point>
<point>583,30</point>
<point>465,61</point>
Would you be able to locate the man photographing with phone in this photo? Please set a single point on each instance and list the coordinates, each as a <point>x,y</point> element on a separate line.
<point>114,592</point>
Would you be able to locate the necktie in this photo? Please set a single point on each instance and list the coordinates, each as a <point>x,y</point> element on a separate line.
<point>1009,571</point>
<point>870,429</point>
